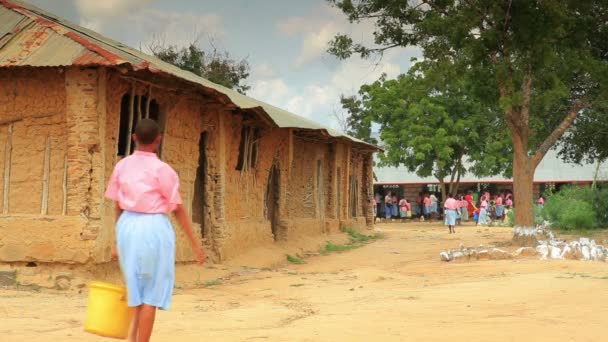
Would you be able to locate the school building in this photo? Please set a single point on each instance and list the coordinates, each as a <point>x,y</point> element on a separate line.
<point>552,173</point>
<point>70,98</point>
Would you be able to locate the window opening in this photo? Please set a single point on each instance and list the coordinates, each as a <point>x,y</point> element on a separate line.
<point>133,108</point>
<point>248,148</point>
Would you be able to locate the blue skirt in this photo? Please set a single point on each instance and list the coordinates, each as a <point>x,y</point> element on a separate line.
<point>395,210</point>
<point>388,211</point>
<point>146,251</point>
<point>500,210</point>
<point>450,217</point>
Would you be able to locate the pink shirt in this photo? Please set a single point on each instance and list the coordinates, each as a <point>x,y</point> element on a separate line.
<point>484,204</point>
<point>143,183</point>
<point>450,204</point>
<point>427,201</point>
<point>464,204</point>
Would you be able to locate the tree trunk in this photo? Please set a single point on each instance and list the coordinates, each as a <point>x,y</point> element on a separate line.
<point>523,186</point>
<point>442,186</point>
<point>597,171</point>
<point>457,186</point>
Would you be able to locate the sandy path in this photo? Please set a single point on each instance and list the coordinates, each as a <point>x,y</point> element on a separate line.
<point>395,289</point>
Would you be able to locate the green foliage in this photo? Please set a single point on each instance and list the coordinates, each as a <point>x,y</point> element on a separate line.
<point>295,260</point>
<point>588,139</point>
<point>357,237</point>
<point>577,208</point>
<point>213,65</point>
<point>331,247</point>
<point>212,283</point>
<point>430,124</point>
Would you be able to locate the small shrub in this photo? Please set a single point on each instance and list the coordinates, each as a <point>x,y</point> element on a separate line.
<point>212,283</point>
<point>330,247</point>
<point>357,237</point>
<point>295,260</point>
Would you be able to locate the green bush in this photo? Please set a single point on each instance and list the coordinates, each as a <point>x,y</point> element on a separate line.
<point>578,215</point>
<point>577,208</point>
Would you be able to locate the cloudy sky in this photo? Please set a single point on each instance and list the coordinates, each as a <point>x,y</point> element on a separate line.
<point>285,42</point>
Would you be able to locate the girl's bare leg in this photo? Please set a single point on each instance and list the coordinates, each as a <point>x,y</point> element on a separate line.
<point>134,324</point>
<point>147,315</point>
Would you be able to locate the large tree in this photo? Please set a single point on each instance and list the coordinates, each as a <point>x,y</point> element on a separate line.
<point>540,62</point>
<point>218,67</point>
<point>429,124</point>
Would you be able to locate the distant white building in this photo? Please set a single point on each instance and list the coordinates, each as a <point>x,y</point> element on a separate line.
<point>552,172</point>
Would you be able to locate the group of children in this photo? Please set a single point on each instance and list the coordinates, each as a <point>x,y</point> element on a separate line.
<point>391,208</point>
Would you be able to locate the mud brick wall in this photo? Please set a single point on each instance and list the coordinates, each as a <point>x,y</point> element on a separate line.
<point>35,143</point>
<point>59,133</point>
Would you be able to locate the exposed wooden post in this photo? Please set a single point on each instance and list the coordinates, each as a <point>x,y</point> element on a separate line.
<point>148,102</point>
<point>64,207</point>
<point>131,115</point>
<point>139,113</point>
<point>44,207</point>
<point>7,169</point>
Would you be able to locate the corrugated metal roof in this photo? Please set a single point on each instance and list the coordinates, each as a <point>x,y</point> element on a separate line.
<point>30,36</point>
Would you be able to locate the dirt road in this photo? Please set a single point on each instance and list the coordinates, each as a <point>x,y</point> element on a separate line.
<point>394,289</point>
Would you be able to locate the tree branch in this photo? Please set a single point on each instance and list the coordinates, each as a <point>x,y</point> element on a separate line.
<point>557,133</point>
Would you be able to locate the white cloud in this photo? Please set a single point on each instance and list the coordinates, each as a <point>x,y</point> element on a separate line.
<point>318,28</point>
<point>177,28</point>
<point>108,8</point>
<point>147,23</point>
<point>319,101</point>
<point>263,71</point>
<point>273,91</point>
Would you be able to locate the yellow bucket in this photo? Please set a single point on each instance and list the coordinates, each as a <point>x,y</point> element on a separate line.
<point>107,312</point>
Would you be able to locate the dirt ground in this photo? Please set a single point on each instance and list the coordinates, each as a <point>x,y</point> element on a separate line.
<point>394,289</point>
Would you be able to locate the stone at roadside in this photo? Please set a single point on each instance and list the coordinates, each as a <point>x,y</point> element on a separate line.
<point>483,254</point>
<point>586,252</point>
<point>499,254</point>
<point>473,255</point>
<point>543,251</point>
<point>459,257</point>
<point>63,283</point>
<point>555,252</point>
<point>525,251</point>
<point>444,256</point>
<point>596,253</point>
<point>568,253</point>
<point>584,241</point>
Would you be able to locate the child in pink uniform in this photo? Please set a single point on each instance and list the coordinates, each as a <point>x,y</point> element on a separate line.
<point>146,190</point>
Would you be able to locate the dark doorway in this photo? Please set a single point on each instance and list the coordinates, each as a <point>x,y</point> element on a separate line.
<point>338,193</point>
<point>272,200</point>
<point>199,203</point>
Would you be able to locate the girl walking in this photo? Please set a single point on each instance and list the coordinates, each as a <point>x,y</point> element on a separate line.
<point>146,190</point>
